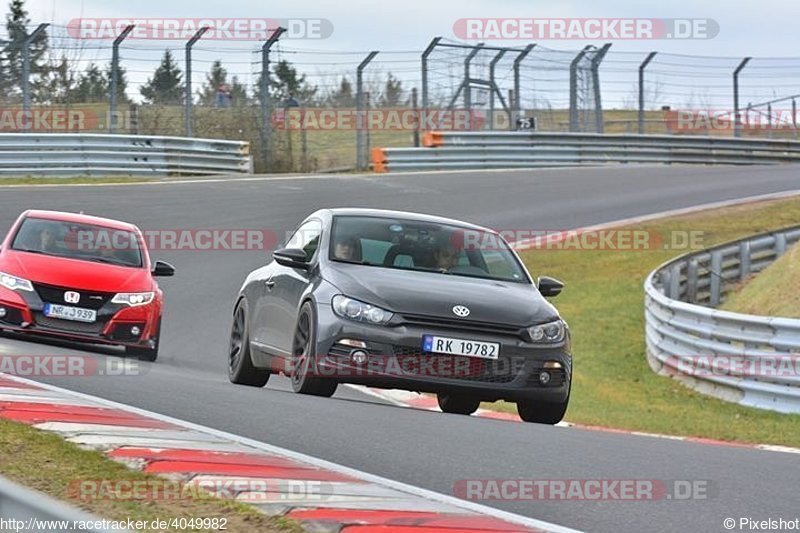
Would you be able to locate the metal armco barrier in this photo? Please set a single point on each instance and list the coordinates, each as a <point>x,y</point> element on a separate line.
<point>22,509</point>
<point>64,154</point>
<point>498,150</point>
<point>751,360</point>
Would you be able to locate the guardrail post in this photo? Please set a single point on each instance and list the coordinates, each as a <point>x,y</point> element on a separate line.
<point>598,104</point>
<point>361,122</point>
<point>715,281</point>
<point>780,244</point>
<point>643,66</point>
<point>428,51</point>
<point>691,281</point>
<point>26,68</point>
<point>744,260</point>
<point>675,282</point>
<point>737,119</point>
<point>112,106</point>
<point>492,66</point>
<point>517,101</point>
<point>573,88</point>
<point>188,106</point>
<point>266,101</point>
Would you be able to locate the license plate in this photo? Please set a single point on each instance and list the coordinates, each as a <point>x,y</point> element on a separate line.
<point>451,346</point>
<point>66,312</point>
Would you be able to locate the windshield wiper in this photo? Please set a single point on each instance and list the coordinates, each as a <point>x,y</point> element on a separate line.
<point>106,260</point>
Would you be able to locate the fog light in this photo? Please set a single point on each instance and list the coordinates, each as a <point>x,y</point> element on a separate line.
<point>2,312</point>
<point>544,377</point>
<point>135,330</point>
<point>359,357</point>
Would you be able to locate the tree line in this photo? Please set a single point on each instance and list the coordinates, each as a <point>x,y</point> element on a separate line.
<point>54,81</point>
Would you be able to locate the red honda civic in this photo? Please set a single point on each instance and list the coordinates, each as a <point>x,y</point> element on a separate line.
<point>82,278</point>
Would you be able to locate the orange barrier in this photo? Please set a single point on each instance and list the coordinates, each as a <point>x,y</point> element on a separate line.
<point>432,139</point>
<point>379,160</point>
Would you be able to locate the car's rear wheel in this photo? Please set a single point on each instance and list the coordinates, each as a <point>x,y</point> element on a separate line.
<point>146,353</point>
<point>304,347</point>
<point>542,412</point>
<point>457,404</point>
<point>240,365</point>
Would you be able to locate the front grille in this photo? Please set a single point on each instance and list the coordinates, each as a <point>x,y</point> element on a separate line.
<point>415,363</point>
<point>89,299</point>
<point>460,324</point>
<point>70,326</point>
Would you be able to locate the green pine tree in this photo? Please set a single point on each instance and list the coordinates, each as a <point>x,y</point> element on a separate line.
<point>166,85</point>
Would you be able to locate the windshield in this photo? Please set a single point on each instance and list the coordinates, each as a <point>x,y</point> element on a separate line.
<point>85,242</point>
<point>423,246</point>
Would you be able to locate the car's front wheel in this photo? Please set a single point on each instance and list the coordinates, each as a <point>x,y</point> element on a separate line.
<point>457,404</point>
<point>149,354</point>
<point>542,412</point>
<point>304,347</point>
<point>240,365</point>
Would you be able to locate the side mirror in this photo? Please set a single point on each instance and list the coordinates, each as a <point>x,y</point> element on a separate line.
<point>290,257</point>
<point>163,269</point>
<point>549,287</point>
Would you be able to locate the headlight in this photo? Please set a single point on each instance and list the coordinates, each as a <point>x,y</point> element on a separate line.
<point>14,283</point>
<point>133,298</point>
<point>550,333</point>
<point>355,310</point>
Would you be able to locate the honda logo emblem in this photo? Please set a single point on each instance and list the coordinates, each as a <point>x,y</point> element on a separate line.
<point>461,311</point>
<point>72,297</point>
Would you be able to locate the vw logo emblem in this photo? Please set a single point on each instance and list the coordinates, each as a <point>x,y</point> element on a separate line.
<point>461,311</point>
<point>72,297</point>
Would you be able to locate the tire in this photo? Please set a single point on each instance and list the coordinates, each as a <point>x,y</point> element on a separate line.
<point>240,365</point>
<point>303,348</point>
<point>457,404</point>
<point>146,354</point>
<point>542,412</point>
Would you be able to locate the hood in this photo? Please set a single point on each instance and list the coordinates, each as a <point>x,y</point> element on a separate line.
<point>74,273</point>
<point>434,294</point>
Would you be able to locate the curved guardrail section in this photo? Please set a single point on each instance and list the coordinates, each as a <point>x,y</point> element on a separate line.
<point>498,150</point>
<point>66,154</point>
<point>751,360</point>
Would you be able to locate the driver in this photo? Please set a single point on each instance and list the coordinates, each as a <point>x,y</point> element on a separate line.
<point>446,254</point>
<point>346,249</point>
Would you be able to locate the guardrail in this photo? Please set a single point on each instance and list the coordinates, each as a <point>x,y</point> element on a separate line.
<point>751,360</point>
<point>66,154</point>
<point>499,150</point>
<point>22,509</point>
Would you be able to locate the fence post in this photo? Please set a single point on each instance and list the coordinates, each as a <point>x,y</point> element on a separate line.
<point>517,101</point>
<point>598,104</point>
<point>573,88</point>
<point>643,66</point>
<point>737,119</point>
<point>112,106</point>
<point>361,123</point>
<point>26,68</point>
<point>266,101</point>
<point>492,66</point>
<point>418,119</point>
<point>188,101</point>
<point>428,51</point>
<point>468,82</point>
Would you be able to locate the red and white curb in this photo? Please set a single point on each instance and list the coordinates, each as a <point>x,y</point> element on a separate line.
<point>346,500</point>
<point>413,400</point>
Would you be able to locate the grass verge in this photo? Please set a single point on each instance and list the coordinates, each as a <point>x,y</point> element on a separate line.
<point>771,292</point>
<point>45,462</point>
<point>604,304</point>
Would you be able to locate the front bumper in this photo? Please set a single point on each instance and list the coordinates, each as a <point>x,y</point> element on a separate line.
<point>24,313</point>
<point>395,360</point>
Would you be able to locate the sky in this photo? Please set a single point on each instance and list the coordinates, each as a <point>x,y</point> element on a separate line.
<point>764,29</point>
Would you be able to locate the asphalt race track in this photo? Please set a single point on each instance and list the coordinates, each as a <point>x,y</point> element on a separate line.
<point>427,449</point>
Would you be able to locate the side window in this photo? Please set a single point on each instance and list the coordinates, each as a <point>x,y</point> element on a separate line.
<point>307,238</point>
